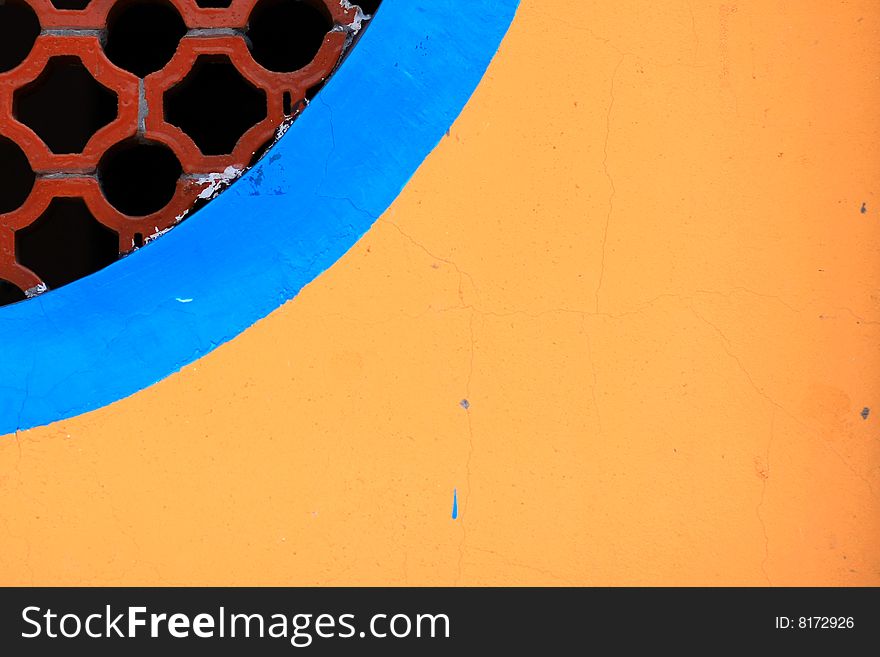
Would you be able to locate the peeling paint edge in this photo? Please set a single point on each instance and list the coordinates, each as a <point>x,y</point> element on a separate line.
<point>85,334</point>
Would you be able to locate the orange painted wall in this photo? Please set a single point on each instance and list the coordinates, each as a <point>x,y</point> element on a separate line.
<point>639,255</point>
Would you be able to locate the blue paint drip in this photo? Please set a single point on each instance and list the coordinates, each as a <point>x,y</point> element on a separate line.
<point>465,404</point>
<point>865,413</point>
<point>287,220</point>
<point>455,504</point>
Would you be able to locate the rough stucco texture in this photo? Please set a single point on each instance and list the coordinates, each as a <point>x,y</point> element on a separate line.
<point>641,255</point>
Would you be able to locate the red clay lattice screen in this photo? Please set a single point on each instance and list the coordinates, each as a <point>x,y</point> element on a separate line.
<point>117,117</point>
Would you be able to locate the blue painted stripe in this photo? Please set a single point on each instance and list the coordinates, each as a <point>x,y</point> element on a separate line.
<point>287,220</point>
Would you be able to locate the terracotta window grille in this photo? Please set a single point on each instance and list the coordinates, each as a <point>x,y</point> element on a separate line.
<point>118,118</point>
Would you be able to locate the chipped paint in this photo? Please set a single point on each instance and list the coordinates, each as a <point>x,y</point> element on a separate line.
<point>36,290</point>
<point>357,22</point>
<point>159,232</point>
<point>217,182</point>
<point>408,96</point>
<point>141,114</point>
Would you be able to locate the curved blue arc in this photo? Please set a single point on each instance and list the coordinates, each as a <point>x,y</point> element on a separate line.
<point>253,248</point>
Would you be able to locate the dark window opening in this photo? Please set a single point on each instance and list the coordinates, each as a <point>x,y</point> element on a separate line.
<point>66,243</point>
<point>369,7</point>
<point>142,36</point>
<point>16,175</point>
<point>139,177</point>
<point>19,29</point>
<point>10,293</point>
<point>65,106</point>
<point>286,35</point>
<point>71,4</point>
<point>192,105</point>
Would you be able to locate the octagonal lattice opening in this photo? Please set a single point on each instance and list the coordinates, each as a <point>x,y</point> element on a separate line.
<point>285,35</point>
<point>139,177</point>
<point>65,105</point>
<point>143,36</point>
<point>193,104</point>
